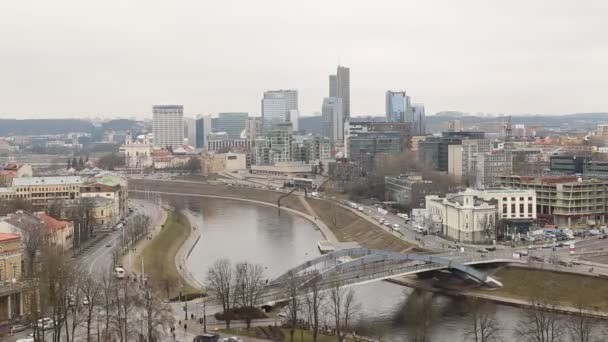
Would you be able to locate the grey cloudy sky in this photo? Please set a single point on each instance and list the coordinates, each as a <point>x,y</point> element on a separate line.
<point>118,57</point>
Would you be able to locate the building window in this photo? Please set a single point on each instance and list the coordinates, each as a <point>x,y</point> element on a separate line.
<point>521,208</point>
<point>512,208</point>
<point>530,208</point>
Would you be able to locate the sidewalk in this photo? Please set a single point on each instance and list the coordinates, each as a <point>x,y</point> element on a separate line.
<point>183,254</point>
<point>129,259</point>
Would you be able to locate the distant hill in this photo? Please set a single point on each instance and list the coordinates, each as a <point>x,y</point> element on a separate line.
<point>42,126</point>
<point>123,125</point>
<point>567,121</point>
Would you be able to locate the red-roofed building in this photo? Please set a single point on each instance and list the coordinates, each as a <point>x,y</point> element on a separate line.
<point>61,233</point>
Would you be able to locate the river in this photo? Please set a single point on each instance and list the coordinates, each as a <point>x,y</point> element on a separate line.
<point>242,231</point>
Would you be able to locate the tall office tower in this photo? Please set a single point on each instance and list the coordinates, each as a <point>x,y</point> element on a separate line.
<point>203,129</point>
<point>333,122</point>
<point>419,122</point>
<point>343,90</point>
<point>333,86</point>
<point>398,107</point>
<point>280,106</point>
<point>190,130</point>
<point>253,128</point>
<point>168,125</point>
<point>232,123</point>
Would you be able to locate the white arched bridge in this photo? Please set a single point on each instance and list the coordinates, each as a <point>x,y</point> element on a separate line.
<point>362,265</point>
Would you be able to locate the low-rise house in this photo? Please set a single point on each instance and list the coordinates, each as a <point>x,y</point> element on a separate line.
<point>56,232</point>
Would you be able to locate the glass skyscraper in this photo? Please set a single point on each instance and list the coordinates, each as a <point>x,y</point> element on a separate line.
<point>232,123</point>
<point>280,106</point>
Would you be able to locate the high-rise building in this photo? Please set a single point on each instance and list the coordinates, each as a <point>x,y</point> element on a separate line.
<point>253,128</point>
<point>232,123</point>
<point>190,130</point>
<point>203,129</point>
<point>373,138</point>
<point>343,90</point>
<point>333,86</point>
<point>419,122</point>
<point>398,107</point>
<point>278,107</point>
<point>333,122</point>
<point>168,125</point>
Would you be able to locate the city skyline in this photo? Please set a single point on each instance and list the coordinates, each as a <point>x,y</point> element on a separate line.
<point>67,60</point>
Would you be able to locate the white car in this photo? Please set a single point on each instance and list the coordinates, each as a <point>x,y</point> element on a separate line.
<point>119,272</point>
<point>45,323</point>
<point>232,339</point>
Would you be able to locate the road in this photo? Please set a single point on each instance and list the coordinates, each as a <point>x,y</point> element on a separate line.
<point>99,259</point>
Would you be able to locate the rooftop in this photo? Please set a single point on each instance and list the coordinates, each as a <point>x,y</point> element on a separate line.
<point>51,222</point>
<point>4,237</point>
<point>25,181</point>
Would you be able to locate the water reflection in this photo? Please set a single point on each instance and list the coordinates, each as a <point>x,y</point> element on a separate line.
<point>241,231</point>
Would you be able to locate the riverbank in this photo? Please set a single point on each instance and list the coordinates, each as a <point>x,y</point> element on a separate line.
<point>159,256</point>
<point>348,226</point>
<point>521,287</point>
<point>336,223</point>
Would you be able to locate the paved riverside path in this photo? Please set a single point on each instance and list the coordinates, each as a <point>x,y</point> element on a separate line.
<point>181,258</point>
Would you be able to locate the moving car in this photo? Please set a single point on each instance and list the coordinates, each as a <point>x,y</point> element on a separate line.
<point>119,273</point>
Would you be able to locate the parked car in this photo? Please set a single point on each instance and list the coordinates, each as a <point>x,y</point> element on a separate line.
<point>18,328</point>
<point>538,259</point>
<point>45,323</point>
<point>232,339</point>
<point>482,250</point>
<point>207,337</point>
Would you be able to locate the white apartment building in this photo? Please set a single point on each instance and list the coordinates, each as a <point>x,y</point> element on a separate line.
<point>512,204</point>
<point>168,125</point>
<point>462,217</point>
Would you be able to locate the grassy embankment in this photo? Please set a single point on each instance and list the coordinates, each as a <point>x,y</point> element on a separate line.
<point>567,289</point>
<point>348,226</point>
<point>159,257</point>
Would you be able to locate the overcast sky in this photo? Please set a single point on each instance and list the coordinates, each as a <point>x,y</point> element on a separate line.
<point>70,58</point>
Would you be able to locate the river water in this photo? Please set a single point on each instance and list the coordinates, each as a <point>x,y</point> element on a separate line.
<point>242,231</point>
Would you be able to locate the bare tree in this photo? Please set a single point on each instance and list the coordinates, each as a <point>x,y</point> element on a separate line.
<point>126,302</point>
<point>293,307</point>
<point>221,284</point>
<point>107,302</point>
<point>91,290</point>
<point>344,307</point>
<point>157,315</point>
<point>482,324</point>
<point>419,313</point>
<point>314,299</point>
<point>249,286</point>
<point>540,324</point>
<point>581,327</point>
